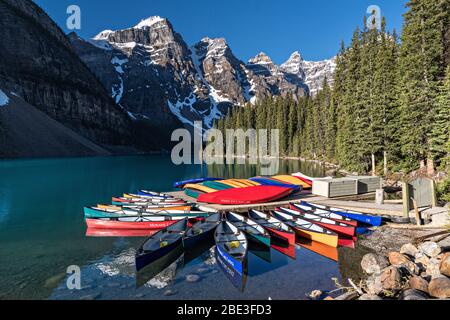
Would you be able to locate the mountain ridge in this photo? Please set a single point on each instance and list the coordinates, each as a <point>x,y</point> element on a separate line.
<point>160,77</point>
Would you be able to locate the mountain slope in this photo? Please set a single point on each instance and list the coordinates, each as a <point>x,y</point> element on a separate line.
<point>38,63</point>
<point>26,131</point>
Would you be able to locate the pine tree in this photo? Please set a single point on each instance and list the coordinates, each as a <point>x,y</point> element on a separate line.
<point>440,141</point>
<point>421,68</point>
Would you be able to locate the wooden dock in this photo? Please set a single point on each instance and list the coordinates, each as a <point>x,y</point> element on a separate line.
<point>355,203</point>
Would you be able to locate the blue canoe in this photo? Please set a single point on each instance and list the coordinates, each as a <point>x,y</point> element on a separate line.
<point>270,182</point>
<point>363,218</point>
<point>181,184</point>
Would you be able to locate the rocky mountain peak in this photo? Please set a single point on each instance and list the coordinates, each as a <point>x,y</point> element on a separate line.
<point>261,58</point>
<point>149,22</point>
<point>103,35</point>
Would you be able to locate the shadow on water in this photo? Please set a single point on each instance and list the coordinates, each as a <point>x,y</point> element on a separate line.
<point>155,268</point>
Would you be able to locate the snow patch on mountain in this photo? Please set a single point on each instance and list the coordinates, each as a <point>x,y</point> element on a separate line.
<point>117,90</point>
<point>149,22</point>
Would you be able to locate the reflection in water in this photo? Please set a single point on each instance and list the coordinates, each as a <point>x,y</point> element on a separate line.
<point>319,248</point>
<point>163,271</point>
<point>260,250</point>
<point>283,247</point>
<point>93,232</point>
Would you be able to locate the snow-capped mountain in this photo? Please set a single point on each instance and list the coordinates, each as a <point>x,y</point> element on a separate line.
<point>152,73</point>
<point>312,73</point>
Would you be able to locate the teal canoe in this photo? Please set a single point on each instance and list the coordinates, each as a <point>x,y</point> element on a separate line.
<point>90,212</point>
<point>217,185</point>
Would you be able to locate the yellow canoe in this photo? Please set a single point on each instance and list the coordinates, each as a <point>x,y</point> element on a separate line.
<point>233,183</point>
<point>199,187</point>
<point>292,180</point>
<point>328,239</point>
<point>248,183</point>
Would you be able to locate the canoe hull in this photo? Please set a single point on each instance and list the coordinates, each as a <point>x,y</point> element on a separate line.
<point>348,221</point>
<point>122,225</point>
<point>190,242</point>
<point>286,236</point>
<point>330,240</point>
<point>236,278</point>
<point>235,264</point>
<point>249,195</point>
<point>145,259</point>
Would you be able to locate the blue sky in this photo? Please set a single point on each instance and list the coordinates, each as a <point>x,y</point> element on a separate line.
<point>276,27</point>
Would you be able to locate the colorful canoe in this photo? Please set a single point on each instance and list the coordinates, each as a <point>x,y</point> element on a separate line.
<point>92,232</point>
<point>181,184</point>
<point>272,182</point>
<point>308,179</point>
<point>358,216</point>
<point>202,231</point>
<point>323,213</point>
<point>232,245</point>
<point>338,227</point>
<point>103,211</point>
<point>308,230</point>
<point>249,195</point>
<point>134,223</point>
<point>234,184</point>
<point>160,244</point>
<point>148,193</point>
<point>250,227</point>
<point>200,188</point>
<point>144,201</point>
<point>292,180</point>
<point>275,227</point>
<point>216,185</point>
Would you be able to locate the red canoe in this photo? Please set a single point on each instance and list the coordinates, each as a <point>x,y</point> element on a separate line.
<point>128,225</point>
<point>91,232</point>
<point>325,214</point>
<point>338,227</point>
<point>249,195</point>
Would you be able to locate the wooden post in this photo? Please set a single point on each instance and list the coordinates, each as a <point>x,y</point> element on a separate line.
<point>379,198</point>
<point>433,194</point>
<point>405,193</point>
<point>416,211</point>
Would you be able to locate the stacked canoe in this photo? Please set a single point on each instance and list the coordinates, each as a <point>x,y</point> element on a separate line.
<point>144,211</point>
<point>255,190</point>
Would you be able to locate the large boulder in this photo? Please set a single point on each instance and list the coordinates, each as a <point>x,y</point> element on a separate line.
<point>373,263</point>
<point>398,259</point>
<point>444,267</point>
<point>374,285</point>
<point>418,283</point>
<point>433,268</point>
<point>412,294</point>
<point>369,297</point>
<point>409,249</point>
<point>391,279</point>
<point>431,249</point>
<point>439,288</point>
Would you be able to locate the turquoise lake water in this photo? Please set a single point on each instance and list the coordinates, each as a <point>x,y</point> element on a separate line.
<point>42,232</point>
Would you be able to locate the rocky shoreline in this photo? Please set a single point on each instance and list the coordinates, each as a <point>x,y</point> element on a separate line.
<point>406,264</point>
